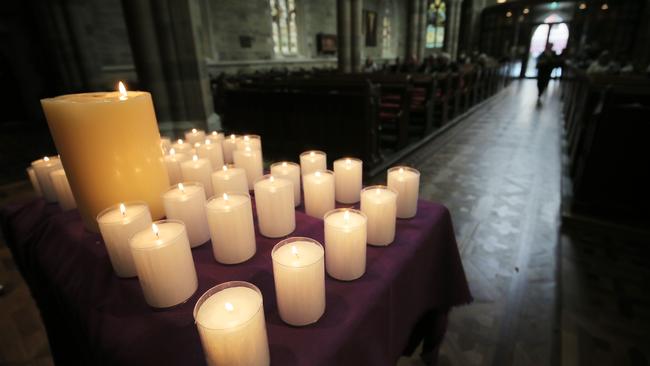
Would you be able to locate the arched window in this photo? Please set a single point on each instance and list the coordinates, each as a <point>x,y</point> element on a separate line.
<point>285,34</point>
<point>386,33</point>
<point>436,19</point>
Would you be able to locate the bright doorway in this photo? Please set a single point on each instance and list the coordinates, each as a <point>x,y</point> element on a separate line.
<point>554,31</point>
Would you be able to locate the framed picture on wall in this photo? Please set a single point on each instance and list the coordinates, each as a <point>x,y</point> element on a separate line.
<point>326,43</point>
<point>370,27</point>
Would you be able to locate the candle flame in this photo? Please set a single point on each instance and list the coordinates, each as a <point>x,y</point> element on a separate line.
<point>294,250</point>
<point>181,187</point>
<point>122,90</point>
<point>401,170</point>
<point>348,161</point>
<point>195,158</point>
<point>229,306</point>
<point>246,138</point>
<point>123,209</point>
<point>225,168</point>
<point>208,142</point>
<point>225,196</point>
<point>248,149</point>
<point>232,137</point>
<point>271,178</point>
<point>284,163</point>
<point>317,174</point>
<point>346,216</point>
<point>214,133</point>
<point>311,153</point>
<point>194,130</point>
<point>197,144</point>
<point>180,141</point>
<point>45,158</point>
<point>155,229</point>
<point>172,151</point>
<point>378,191</point>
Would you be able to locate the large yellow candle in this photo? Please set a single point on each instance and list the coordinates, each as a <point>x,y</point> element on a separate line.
<point>110,149</point>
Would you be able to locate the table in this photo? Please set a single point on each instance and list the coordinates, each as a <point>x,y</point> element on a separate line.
<point>94,317</point>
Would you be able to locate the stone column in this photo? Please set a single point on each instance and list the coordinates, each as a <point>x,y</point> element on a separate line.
<point>422,30</point>
<point>413,29</point>
<point>356,41</point>
<point>169,60</point>
<point>343,30</point>
<point>453,26</point>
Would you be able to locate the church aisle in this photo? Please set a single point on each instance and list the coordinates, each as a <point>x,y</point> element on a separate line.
<point>498,171</point>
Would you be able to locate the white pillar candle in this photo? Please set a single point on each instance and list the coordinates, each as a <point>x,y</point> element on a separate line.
<point>229,144</point>
<point>34,180</point>
<point>182,147</point>
<point>195,136</point>
<point>379,203</point>
<point>252,141</point>
<point>117,224</point>
<point>62,189</point>
<point>290,171</point>
<point>229,179</point>
<point>311,161</point>
<point>163,261</point>
<point>173,164</point>
<point>230,216</point>
<point>231,324</point>
<point>251,161</point>
<point>299,276</point>
<point>198,170</point>
<point>406,182</point>
<point>215,137</point>
<point>43,168</point>
<point>348,173</point>
<point>213,152</point>
<point>276,214</point>
<point>319,192</point>
<point>186,202</point>
<point>345,243</point>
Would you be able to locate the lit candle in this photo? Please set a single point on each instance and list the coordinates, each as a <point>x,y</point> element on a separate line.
<point>186,202</point>
<point>182,147</point>
<point>252,141</point>
<point>193,136</point>
<point>230,216</point>
<point>379,203</point>
<point>299,276</point>
<point>117,224</point>
<point>251,161</point>
<point>319,192</point>
<point>291,172</point>
<point>345,244</point>
<point>213,152</point>
<point>229,144</point>
<point>276,215</point>
<point>163,261</point>
<point>215,137</point>
<point>34,180</point>
<point>110,146</point>
<point>173,164</point>
<point>62,189</point>
<point>43,168</point>
<point>229,179</point>
<point>348,173</point>
<point>165,144</point>
<point>230,321</point>
<point>406,182</point>
<point>198,170</point>
<point>311,161</point>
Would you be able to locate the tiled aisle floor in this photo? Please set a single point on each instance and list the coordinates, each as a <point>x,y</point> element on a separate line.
<point>498,171</point>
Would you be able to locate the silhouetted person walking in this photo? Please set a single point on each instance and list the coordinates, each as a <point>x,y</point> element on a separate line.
<point>546,62</point>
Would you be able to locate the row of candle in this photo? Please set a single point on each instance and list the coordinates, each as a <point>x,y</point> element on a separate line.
<point>50,182</point>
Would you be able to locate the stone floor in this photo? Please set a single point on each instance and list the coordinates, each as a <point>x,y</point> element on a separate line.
<point>499,172</point>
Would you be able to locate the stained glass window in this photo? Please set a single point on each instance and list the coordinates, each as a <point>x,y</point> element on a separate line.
<point>436,19</point>
<point>284,31</point>
<point>386,33</point>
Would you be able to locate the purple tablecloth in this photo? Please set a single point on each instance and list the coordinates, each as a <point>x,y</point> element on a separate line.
<point>94,317</point>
